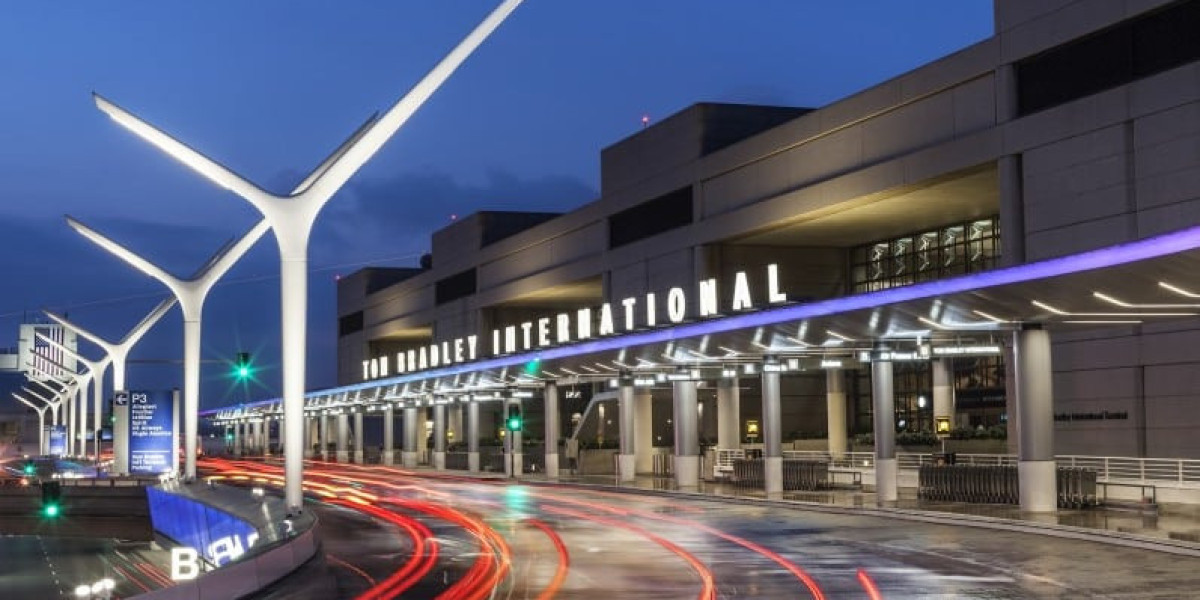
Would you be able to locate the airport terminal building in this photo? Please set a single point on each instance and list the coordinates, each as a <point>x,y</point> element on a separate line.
<point>1004,240</point>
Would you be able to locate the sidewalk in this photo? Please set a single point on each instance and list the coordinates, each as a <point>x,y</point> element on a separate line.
<point>1174,529</point>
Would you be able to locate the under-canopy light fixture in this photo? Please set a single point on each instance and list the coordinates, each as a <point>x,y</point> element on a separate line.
<point>1113,300</point>
<point>1178,290</point>
<point>1063,313</point>
<point>991,317</point>
<point>958,326</point>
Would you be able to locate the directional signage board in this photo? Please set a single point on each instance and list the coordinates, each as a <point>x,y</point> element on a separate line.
<point>121,398</point>
<point>151,432</point>
<point>58,440</point>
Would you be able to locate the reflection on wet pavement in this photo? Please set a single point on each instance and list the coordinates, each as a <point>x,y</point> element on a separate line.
<point>593,543</point>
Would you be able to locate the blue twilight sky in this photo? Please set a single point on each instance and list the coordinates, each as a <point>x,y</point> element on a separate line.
<point>270,87</point>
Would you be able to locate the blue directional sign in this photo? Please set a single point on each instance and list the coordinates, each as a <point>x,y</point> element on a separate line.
<point>151,432</point>
<point>58,440</point>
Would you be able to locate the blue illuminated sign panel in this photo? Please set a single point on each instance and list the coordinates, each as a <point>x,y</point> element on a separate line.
<point>151,435</point>
<point>58,440</point>
<point>215,534</point>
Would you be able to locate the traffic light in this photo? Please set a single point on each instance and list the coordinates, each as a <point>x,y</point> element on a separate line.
<point>514,422</point>
<point>242,370</point>
<point>30,469</point>
<point>51,499</point>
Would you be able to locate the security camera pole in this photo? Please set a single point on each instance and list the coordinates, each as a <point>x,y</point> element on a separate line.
<point>291,219</point>
<point>118,352</point>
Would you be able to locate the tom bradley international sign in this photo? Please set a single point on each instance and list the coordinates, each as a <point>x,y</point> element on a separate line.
<point>608,319</point>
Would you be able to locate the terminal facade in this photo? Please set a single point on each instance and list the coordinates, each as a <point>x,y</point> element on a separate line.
<point>1003,237</point>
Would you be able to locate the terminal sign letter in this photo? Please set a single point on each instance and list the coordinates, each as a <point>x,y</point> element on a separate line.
<point>185,564</point>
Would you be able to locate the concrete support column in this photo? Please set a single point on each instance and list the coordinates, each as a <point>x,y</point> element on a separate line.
<point>454,425</point>
<point>553,428</point>
<point>439,436</point>
<point>943,389</point>
<point>884,417</point>
<point>626,458</point>
<point>1035,429</point>
<point>313,438</point>
<point>514,466</point>
<point>473,436</point>
<point>326,435</point>
<point>408,455</point>
<point>237,439</point>
<point>643,431</point>
<point>772,428</point>
<point>685,415</point>
<point>388,456</point>
<point>359,455</point>
<point>729,414</point>
<point>423,434</point>
<point>835,409</point>
<point>343,438</point>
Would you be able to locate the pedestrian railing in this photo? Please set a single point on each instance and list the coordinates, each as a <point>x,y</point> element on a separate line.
<point>797,474</point>
<point>1161,472</point>
<point>457,461</point>
<point>723,459</point>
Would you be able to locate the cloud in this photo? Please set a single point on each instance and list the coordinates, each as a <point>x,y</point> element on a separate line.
<point>397,216</point>
<point>52,266</point>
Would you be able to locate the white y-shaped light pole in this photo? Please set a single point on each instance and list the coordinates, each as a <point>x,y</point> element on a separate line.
<point>56,400</point>
<point>75,412</point>
<point>96,368</point>
<point>291,219</point>
<point>118,352</point>
<point>41,411</point>
<point>59,397</point>
<point>191,294</point>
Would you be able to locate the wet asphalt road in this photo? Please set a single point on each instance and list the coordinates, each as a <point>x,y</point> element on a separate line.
<point>615,545</point>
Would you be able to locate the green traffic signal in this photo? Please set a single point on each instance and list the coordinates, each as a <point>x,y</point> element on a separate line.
<point>514,423</point>
<point>30,469</point>
<point>50,510</point>
<point>241,368</point>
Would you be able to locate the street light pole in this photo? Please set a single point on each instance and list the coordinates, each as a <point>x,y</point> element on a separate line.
<point>291,218</point>
<point>75,417</point>
<point>97,368</point>
<point>118,353</point>
<point>54,404</point>
<point>41,411</point>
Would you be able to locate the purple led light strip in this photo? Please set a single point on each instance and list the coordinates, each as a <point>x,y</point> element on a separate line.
<point>1110,256</point>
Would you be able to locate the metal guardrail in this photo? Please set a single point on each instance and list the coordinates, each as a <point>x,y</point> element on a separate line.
<point>1162,472</point>
<point>1000,485</point>
<point>457,461</point>
<point>664,465</point>
<point>968,483</point>
<point>797,474</point>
